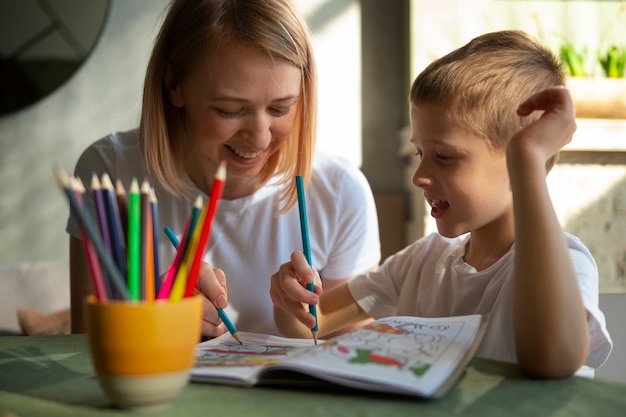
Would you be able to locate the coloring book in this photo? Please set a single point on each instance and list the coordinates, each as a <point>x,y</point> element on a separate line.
<point>414,356</point>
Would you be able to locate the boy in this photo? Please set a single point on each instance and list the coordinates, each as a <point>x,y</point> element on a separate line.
<point>485,149</point>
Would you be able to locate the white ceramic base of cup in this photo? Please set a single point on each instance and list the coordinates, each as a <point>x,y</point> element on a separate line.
<point>144,392</point>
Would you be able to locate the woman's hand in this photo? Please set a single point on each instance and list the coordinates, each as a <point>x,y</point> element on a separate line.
<point>212,285</point>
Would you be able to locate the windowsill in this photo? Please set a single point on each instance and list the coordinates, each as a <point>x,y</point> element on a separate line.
<point>599,135</point>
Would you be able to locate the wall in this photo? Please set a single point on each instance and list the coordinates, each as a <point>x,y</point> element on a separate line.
<point>588,186</point>
<point>105,96</point>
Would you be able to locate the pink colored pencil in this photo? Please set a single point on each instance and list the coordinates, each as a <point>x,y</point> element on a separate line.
<point>166,285</point>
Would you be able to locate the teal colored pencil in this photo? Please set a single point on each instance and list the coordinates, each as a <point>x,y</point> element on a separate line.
<point>304,227</point>
<point>85,219</point>
<point>227,322</point>
<point>134,241</point>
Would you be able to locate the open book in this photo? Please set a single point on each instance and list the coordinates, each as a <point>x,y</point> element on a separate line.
<point>402,355</point>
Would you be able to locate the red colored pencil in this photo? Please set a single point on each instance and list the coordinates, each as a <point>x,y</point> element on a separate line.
<point>216,193</point>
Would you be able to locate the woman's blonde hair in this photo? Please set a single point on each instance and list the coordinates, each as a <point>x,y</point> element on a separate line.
<point>193,27</point>
<point>482,83</point>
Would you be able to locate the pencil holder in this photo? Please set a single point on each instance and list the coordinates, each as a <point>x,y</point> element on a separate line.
<point>143,352</point>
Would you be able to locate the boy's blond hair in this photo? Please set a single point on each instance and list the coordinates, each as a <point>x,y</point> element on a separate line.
<point>482,83</point>
<point>195,27</point>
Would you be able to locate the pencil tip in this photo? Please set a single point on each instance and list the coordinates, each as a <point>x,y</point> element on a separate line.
<point>95,182</point>
<point>119,187</point>
<point>134,185</point>
<point>314,333</point>
<point>221,170</point>
<point>106,182</point>
<point>61,176</point>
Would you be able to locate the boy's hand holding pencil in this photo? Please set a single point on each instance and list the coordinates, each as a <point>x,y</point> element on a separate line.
<point>289,290</point>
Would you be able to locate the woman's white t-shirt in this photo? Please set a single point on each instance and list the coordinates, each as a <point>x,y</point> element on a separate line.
<point>248,241</point>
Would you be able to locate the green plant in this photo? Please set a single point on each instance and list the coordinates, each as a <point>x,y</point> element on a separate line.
<point>574,60</point>
<point>613,62</point>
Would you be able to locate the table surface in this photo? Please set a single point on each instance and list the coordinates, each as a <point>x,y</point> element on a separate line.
<point>53,376</point>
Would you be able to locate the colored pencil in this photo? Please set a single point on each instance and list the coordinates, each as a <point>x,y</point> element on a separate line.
<point>92,257</point>
<point>304,228</point>
<point>182,274</point>
<point>155,239</point>
<point>118,244</point>
<point>223,316</point>
<point>216,193</point>
<point>85,219</point>
<point>171,236</point>
<point>147,244</point>
<point>196,212</point>
<point>122,205</point>
<point>134,241</point>
<point>166,286</point>
<point>101,217</point>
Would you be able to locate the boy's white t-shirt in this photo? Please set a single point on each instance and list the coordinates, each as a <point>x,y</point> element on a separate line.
<point>430,279</point>
<point>248,241</point>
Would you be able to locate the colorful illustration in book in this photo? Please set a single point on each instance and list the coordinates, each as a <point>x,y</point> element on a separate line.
<point>394,343</point>
<point>234,354</point>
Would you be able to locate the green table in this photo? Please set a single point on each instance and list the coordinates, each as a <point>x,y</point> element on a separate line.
<point>53,376</point>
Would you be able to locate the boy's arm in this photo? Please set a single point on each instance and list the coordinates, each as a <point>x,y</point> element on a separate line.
<point>336,308</point>
<point>549,318</point>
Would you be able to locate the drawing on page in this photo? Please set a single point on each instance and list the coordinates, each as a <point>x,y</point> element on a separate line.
<point>232,354</point>
<point>409,346</point>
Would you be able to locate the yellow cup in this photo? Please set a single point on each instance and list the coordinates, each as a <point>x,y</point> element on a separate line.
<point>143,352</point>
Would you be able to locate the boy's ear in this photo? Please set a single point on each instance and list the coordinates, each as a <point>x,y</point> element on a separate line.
<point>173,89</point>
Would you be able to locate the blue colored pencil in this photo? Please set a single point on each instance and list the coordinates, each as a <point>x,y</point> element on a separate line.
<point>118,241</point>
<point>227,322</point>
<point>306,245</point>
<point>103,222</point>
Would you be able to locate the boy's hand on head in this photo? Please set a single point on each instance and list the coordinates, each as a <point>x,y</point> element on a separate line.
<point>288,288</point>
<point>212,285</point>
<point>553,130</point>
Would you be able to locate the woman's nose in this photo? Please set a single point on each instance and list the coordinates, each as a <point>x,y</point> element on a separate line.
<point>259,131</point>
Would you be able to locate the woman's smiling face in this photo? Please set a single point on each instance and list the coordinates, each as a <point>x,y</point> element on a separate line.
<point>240,106</point>
<point>464,181</point>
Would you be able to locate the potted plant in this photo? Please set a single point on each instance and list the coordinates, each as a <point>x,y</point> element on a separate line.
<point>613,62</point>
<point>596,97</point>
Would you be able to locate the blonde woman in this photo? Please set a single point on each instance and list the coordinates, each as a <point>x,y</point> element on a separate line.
<point>235,80</point>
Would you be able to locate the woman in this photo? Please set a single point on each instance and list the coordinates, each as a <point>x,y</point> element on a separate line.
<point>235,80</point>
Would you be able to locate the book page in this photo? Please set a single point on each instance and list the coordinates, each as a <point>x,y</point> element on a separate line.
<point>402,355</point>
<point>408,355</point>
<point>224,360</point>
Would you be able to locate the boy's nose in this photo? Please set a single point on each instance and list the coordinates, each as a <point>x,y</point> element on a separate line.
<point>420,178</point>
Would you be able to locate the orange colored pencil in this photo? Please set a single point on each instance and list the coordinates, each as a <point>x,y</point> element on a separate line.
<point>147,245</point>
